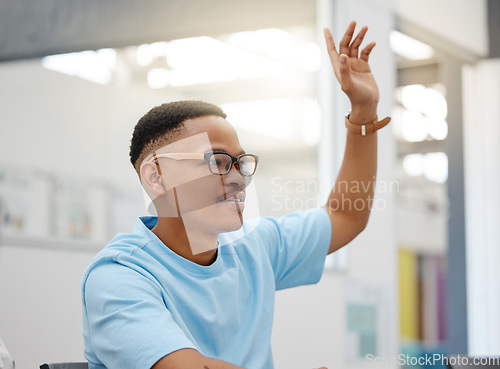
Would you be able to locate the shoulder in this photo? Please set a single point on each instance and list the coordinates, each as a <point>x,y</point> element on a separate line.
<point>268,232</point>
<point>123,247</point>
<point>266,228</point>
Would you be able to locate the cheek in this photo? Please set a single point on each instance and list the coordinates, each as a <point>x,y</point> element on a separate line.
<point>199,193</point>
<point>212,190</point>
<point>180,175</point>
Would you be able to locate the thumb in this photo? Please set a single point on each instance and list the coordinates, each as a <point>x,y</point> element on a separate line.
<point>345,73</point>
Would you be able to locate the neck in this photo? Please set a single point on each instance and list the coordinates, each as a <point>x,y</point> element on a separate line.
<point>194,245</point>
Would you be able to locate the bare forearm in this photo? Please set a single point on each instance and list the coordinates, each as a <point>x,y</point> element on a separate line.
<point>191,359</point>
<point>354,188</point>
<point>218,364</point>
<point>350,200</point>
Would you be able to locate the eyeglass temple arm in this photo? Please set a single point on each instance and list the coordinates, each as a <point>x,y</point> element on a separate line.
<point>179,156</point>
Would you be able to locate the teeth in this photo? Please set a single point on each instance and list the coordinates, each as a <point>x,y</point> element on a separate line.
<point>236,197</point>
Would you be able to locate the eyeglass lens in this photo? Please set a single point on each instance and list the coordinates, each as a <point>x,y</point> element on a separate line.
<point>222,163</point>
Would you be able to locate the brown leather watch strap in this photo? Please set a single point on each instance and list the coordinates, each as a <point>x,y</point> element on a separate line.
<point>367,128</point>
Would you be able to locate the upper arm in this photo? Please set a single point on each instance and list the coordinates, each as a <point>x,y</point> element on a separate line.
<point>126,322</point>
<point>191,359</point>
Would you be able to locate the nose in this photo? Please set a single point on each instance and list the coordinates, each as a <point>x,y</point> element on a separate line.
<point>234,177</point>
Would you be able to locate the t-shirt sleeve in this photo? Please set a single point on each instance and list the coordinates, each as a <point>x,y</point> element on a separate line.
<point>128,324</point>
<point>297,245</point>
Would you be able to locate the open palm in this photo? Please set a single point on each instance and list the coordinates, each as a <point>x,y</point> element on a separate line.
<point>351,67</point>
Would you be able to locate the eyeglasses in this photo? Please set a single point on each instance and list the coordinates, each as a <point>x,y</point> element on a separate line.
<point>218,162</point>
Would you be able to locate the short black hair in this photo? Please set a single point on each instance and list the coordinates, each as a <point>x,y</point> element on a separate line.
<point>159,126</point>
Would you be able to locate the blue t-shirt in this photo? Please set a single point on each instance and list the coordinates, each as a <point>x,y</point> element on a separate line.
<point>142,301</point>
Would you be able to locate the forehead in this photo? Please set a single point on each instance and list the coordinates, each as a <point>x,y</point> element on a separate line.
<point>221,134</point>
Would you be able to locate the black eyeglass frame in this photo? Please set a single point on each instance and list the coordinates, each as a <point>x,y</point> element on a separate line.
<point>207,156</point>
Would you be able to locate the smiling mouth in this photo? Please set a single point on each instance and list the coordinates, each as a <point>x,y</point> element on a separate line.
<point>235,197</point>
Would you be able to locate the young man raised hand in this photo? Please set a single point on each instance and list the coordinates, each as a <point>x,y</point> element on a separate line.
<point>194,287</point>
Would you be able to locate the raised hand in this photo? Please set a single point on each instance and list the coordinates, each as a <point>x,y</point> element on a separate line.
<point>353,72</point>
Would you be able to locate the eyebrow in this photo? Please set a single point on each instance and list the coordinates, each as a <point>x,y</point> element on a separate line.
<point>218,149</point>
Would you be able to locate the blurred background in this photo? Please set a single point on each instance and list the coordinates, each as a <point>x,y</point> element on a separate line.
<point>75,76</point>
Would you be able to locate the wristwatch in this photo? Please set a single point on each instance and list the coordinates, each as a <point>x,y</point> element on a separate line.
<point>366,128</point>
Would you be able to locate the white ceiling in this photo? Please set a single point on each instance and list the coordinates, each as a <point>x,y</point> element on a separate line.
<point>461,22</point>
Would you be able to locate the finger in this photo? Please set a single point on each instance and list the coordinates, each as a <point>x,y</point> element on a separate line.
<point>345,73</point>
<point>353,52</point>
<point>365,53</point>
<point>332,51</point>
<point>330,45</point>
<point>346,40</point>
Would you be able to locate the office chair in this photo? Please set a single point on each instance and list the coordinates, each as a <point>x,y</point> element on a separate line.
<point>65,366</point>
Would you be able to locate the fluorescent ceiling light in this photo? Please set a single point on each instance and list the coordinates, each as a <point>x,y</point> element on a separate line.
<point>95,66</point>
<point>409,48</point>
<point>436,167</point>
<point>204,59</point>
<point>413,126</point>
<point>413,164</point>
<point>146,53</point>
<point>158,78</point>
<point>273,118</point>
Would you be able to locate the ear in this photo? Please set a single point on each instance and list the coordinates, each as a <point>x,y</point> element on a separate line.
<point>151,179</point>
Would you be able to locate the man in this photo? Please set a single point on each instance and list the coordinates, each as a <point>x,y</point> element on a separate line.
<point>194,287</point>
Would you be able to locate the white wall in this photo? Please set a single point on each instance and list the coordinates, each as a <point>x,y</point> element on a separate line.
<point>482,181</point>
<point>461,22</point>
<point>40,304</point>
<point>58,123</point>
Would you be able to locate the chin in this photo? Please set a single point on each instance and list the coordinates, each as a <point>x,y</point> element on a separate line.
<point>231,228</point>
<point>229,225</point>
<point>228,222</point>
<point>228,217</point>
<point>220,218</point>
